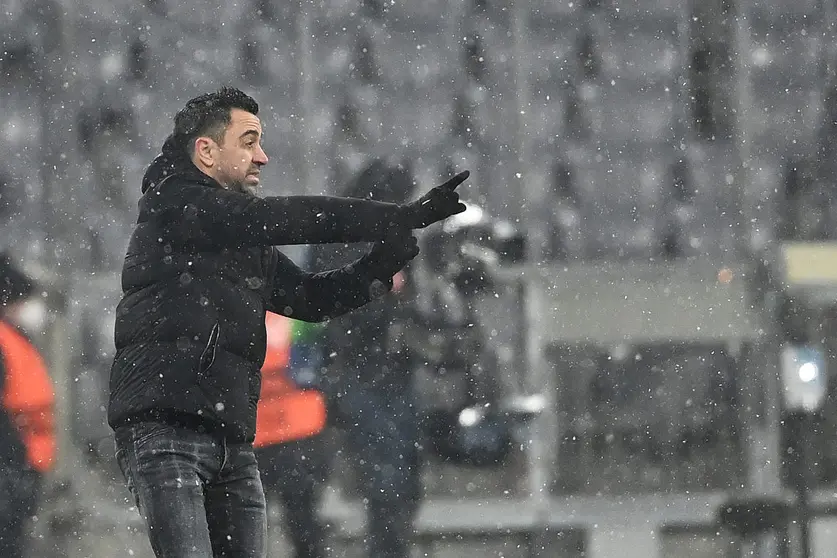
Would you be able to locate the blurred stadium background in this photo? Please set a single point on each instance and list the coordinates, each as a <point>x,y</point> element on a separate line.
<point>671,162</point>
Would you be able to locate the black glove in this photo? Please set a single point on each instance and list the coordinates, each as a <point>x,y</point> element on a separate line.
<point>387,257</point>
<point>436,205</point>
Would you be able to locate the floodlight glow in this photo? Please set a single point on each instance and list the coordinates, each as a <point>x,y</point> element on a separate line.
<point>469,417</point>
<point>808,372</point>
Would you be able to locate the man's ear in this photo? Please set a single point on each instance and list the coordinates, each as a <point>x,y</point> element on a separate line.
<point>205,151</point>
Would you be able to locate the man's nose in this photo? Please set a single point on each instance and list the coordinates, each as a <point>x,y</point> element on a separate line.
<point>260,157</point>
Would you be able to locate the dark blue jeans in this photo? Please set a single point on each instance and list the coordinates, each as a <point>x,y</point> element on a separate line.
<point>200,496</point>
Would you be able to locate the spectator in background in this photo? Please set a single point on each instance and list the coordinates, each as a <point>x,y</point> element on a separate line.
<point>291,416</point>
<point>27,429</point>
<point>370,384</point>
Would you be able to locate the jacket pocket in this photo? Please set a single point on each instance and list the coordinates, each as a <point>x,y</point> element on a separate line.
<point>207,358</point>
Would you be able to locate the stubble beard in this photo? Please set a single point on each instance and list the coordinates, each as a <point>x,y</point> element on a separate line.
<point>249,189</point>
<point>242,187</point>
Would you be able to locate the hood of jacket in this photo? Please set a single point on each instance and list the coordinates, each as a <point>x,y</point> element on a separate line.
<point>173,159</point>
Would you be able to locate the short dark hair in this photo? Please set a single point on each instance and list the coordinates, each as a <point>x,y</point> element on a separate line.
<point>209,115</point>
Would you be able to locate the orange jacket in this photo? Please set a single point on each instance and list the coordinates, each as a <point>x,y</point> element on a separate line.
<point>285,413</point>
<point>28,397</point>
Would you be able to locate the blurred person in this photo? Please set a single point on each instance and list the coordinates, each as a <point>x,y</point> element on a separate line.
<point>371,390</point>
<point>27,428</point>
<point>291,417</point>
<point>200,273</point>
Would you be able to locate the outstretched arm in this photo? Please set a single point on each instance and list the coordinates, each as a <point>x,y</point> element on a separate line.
<point>212,218</point>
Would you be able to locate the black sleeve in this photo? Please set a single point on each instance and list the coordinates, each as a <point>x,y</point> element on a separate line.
<point>316,297</point>
<point>216,218</point>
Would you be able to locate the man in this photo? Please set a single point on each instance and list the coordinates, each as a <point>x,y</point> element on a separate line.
<point>200,273</point>
<point>371,389</point>
<point>27,429</point>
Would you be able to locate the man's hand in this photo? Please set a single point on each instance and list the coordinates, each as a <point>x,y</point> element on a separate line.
<point>387,257</point>
<point>436,205</point>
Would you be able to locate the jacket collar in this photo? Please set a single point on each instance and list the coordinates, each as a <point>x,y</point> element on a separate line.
<point>173,160</point>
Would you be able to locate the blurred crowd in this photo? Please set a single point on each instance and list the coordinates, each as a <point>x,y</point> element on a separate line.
<point>600,130</point>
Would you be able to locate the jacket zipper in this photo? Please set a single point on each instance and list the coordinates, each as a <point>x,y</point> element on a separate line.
<point>208,354</point>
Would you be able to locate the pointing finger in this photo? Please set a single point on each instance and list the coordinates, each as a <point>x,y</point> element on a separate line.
<point>456,180</point>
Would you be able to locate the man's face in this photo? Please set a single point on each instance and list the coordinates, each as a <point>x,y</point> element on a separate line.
<point>240,156</point>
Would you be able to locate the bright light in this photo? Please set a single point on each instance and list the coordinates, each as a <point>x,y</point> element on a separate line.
<point>808,372</point>
<point>469,417</point>
<point>472,215</point>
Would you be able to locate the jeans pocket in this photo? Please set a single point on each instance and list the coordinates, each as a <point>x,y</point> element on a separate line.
<point>147,432</point>
<point>128,476</point>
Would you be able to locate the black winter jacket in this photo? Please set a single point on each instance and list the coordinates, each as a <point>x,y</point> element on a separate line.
<point>200,271</point>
